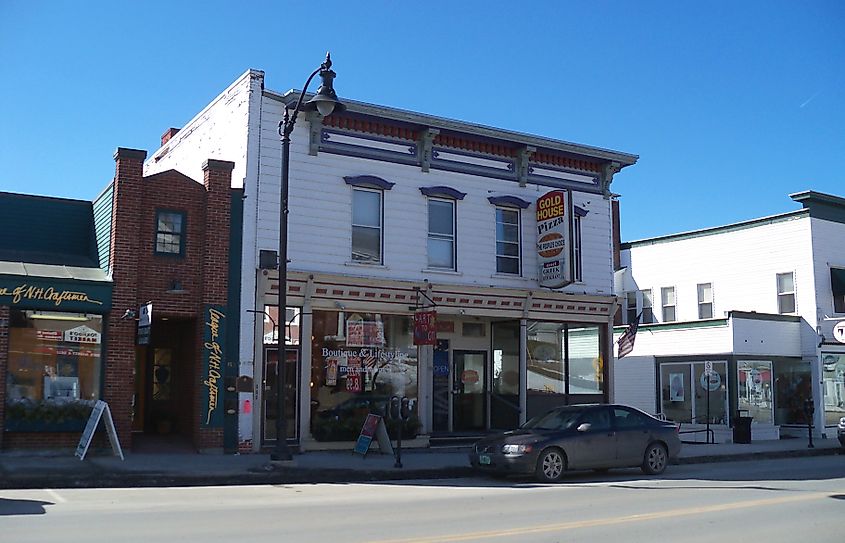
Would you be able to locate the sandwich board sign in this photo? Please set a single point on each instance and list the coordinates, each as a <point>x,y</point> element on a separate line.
<point>100,411</point>
<point>374,427</point>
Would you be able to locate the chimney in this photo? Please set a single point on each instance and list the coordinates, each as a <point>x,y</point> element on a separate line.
<point>129,164</point>
<point>169,134</point>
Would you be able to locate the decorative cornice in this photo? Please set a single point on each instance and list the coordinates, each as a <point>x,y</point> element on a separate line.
<point>443,192</point>
<point>509,201</point>
<point>426,144</point>
<point>522,164</point>
<point>368,181</point>
<point>608,171</point>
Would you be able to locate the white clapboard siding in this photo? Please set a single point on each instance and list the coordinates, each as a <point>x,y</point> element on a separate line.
<point>828,252</point>
<point>681,341</point>
<point>634,382</point>
<point>740,264</point>
<point>320,218</point>
<point>766,337</point>
<point>218,132</point>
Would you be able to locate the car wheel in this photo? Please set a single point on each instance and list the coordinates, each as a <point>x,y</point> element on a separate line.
<point>655,459</point>
<point>550,465</point>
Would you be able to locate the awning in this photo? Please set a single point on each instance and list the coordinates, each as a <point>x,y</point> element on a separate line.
<point>54,287</point>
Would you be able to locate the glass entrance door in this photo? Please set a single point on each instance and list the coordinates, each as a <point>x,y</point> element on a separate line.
<point>271,358</point>
<point>469,391</point>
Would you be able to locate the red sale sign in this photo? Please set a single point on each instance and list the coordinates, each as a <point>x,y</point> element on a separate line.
<point>425,328</point>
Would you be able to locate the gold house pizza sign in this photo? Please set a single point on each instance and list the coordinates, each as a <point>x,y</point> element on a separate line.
<point>554,213</point>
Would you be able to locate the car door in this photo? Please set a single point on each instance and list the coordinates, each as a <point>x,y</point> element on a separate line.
<point>633,432</point>
<point>595,447</point>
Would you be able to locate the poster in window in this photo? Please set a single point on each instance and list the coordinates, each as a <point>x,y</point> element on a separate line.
<point>331,371</point>
<point>354,381</point>
<point>361,333</point>
<point>676,387</point>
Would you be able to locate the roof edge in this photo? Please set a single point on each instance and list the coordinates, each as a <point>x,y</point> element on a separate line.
<point>713,230</point>
<point>396,114</point>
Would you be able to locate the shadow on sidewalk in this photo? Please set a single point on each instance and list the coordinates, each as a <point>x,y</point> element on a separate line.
<point>22,507</point>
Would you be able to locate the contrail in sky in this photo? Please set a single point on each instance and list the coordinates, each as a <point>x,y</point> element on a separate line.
<point>810,99</point>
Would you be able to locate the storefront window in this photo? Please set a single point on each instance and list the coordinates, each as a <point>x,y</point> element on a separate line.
<point>358,362</point>
<point>754,394</point>
<point>291,324</point>
<point>792,387</point>
<point>689,394</point>
<point>562,359</point>
<point>833,378</point>
<point>54,369</point>
<point>586,366</point>
<point>504,405</point>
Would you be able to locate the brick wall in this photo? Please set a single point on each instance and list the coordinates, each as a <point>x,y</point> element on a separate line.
<point>141,275</point>
<point>124,261</point>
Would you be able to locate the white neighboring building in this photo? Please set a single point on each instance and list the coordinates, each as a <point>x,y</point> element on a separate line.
<point>757,301</point>
<point>392,209</point>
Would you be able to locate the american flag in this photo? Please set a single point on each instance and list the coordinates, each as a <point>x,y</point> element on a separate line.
<point>626,340</point>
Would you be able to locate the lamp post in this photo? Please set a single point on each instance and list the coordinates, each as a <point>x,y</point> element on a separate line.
<point>325,102</point>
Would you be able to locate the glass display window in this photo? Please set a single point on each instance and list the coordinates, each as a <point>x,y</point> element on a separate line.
<point>793,385</point>
<point>833,382</point>
<point>54,369</point>
<point>689,394</point>
<point>755,395</point>
<point>359,361</point>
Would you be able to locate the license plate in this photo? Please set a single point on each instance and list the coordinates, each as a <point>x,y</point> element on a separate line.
<point>484,459</point>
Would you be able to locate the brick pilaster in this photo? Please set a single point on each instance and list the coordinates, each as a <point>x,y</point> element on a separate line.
<point>217,178</point>
<point>124,262</point>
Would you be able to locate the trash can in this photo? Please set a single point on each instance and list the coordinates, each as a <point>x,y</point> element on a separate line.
<point>742,429</point>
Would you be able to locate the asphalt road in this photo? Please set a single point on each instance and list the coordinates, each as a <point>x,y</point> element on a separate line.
<point>785,500</point>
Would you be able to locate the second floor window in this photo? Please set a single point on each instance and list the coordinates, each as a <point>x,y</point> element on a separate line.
<point>366,226</point>
<point>786,292</point>
<point>648,307</point>
<point>578,261</point>
<point>705,300</point>
<point>507,241</point>
<point>630,307</point>
<point>170,232</point>
<point>441,234</point>
<point>837,283</point>
<point>667,299</point>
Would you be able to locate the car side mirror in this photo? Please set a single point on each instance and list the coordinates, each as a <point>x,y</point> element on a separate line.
<point>584,427</point>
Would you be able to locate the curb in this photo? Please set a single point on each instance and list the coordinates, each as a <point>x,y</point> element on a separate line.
<point>294,476</point>
<point>740,457</point>
<point>104,479</point>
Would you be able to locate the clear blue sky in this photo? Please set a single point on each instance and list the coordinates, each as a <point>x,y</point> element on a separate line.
<point>730,105</point>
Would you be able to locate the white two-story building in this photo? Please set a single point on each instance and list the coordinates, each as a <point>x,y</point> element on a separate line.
<point>757,302</point>
<point>393,212</point>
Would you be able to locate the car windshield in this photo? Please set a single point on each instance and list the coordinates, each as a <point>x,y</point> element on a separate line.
<point>556,419</point>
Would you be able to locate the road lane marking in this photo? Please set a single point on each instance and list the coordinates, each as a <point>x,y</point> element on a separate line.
<point>55,495</point>
<point>687,511</point>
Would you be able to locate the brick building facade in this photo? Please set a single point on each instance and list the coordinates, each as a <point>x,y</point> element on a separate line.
<point>179,276</point>
<point>152,288</point>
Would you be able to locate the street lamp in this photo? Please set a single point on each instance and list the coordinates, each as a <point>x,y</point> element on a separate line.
<point>325,102</point>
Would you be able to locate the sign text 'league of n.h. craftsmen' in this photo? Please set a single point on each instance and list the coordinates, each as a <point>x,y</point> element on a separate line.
<point>553,239</point>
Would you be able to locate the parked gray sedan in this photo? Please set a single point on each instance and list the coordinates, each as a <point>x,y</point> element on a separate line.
<point>597,436</point>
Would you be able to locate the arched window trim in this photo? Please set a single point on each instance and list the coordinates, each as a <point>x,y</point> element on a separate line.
<point>369,182</point>
<point>443,192</point>
<point>509,201</point>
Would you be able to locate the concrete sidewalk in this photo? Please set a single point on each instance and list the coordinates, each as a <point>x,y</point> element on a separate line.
<point>63,470</point>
